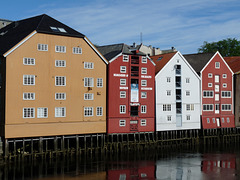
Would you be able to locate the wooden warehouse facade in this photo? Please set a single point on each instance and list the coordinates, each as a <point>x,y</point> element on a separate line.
<point>49,81</point>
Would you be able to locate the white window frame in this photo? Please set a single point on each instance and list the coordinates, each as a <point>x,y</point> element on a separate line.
<point>208,120</point>
<point>188,107</point>
<point>28,96</point>
<point>60,49</point>
<point>208,107</point>
<point>168,79</point>
<point>60,96</point>
<point>88,82</point>
<point>88,96</point>
<point>60,111</point>
<point>209,75</point>
<point>217,79</point>
<point>77,50</point>
<point>42,47</point>
<point>169,118</point>
<point>123,69</point>
<point>144,82</point>
<point>225,107</point>
<point>217,65</point>
<point>99,111</point>
<point>187,93</point>
<point>188,117</point>
<point>29,61</point>
<point>144,59</point>
<point>60,63</point>
<point>169,92</point>
<point>226,94</point>
<point>123,94</point>
<point>167,107</point>
<point>224,76</point>
<point>122,123</point>
<point>42,112</point>
<point>125,58</point>
<point>99,82</point>
<point>88,111</point>
<point>143,109</point>
<point>209,84</point>
<point>29,80</point>
<point>144,95</point>
<point>143,122</point>
<point>224,85</point>
<point>228,120</point>
<point>60,80</point>
<point>88,65</point>
<point>122,109</point>
<point>30,112</point>
<point>123,82</point>
<point>143,70</point>
<point>208,94</point>
<point>187,80</point>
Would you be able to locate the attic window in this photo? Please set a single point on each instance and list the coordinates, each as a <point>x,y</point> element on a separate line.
<point>159,59</point>
<point>57,29</point>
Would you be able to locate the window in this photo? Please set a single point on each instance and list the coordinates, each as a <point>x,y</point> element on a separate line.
<point>99,111</point>
<point>60,63</point>
<point>88,111</point>
<point>122,123</point>
<point>207,94</point>
<point>122,94</point>
<point>88,96</point>
<point>28,96</point>
<point>168,79</point>
<point>88,82</point>
<point>28,112</point>
<point>216,88</point>
<point>88,65</point>
<point>224,76</point>
<point>226,107</point>
<point>58,29</point>
<point>60,112</point>
<point>217,65</point>
<point>143,109</point>
<point>143,94</point>
<point>188,117</point>
<point>207,107</point>
<point>60,96</point>
<point>42,47</point>
<point>143,122</point>
<point>143,82</point>
<point>213,120</point>
<point>28,61</point>
<point>99,82</point>
<point>187,80</point>
<point>60,81</point>
<point>226,94</point>
<point>189,107</point>
<point>77,50</point>
<point>125,58</point>
<point>192,107</point>
<point>209,84</point>
<point>187,93</point>
<point>61,49</point>
<point>28,79</point>
<point>168,92</point>
<point>42,112</point>
<point>144,70</point>
<point>144,59</point>
<point>216,78</point>
<point>209,75</point>
<point>224,85</point>
<point>123,82</point>
<point>166,107</point>
<point>122,109</point>
<point>222,120</point>
<point>123,69</point>
<point>228,120</point>
<point>208,120</point>
<point>169,118</point>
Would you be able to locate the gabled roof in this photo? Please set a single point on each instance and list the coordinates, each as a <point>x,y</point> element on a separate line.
<point>199,60</point>
<point>18,30</point>
<point>161,60</point>
<point>111,51</point>
<point>234,63</point>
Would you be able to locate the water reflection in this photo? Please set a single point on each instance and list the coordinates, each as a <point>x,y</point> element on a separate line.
<point>161,165</point>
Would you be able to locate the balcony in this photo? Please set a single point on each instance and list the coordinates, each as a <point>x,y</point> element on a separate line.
<point>178,84</point>
<point>135,71</point>
<point>178,97</point>
<point>179,110</point>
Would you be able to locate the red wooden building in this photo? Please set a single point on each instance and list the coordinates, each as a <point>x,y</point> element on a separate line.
<point>131,94</point>
<point>217,90</point>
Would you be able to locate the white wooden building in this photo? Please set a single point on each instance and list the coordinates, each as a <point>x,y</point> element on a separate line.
<point>178,99</point>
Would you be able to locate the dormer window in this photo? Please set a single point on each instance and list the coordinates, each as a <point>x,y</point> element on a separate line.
<point>58,29</point>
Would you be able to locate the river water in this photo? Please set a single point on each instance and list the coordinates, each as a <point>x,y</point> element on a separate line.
<point>222,162</point>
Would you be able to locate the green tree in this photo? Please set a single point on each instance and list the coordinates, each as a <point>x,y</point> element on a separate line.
<point>226,47</point>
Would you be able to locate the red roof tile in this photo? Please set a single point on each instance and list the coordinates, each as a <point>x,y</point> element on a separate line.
<point>234,63</point>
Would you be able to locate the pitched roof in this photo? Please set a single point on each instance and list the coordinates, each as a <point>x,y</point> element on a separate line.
<point>161,60</point>
<point>234,63</point>
<point>199,60</point>
<point>13,33</point>
<point>110,51</point>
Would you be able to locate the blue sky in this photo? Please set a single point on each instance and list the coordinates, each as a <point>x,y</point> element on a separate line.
<point>184,24</point>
